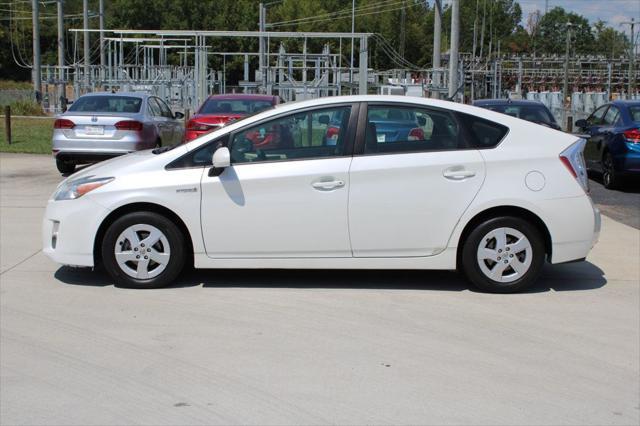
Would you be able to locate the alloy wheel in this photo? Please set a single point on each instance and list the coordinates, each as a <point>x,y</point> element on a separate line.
<point>142,251</point>
<point>504,255</point>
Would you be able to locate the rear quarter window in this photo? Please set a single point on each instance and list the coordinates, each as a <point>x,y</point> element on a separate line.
<point>482,133</point>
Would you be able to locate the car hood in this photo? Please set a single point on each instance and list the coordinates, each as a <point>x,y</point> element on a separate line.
<point>114,167</point>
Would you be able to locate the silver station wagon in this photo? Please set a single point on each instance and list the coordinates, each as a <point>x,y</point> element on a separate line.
<point>104,125</point>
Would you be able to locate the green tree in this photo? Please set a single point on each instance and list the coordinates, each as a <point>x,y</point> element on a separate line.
<point>609,42</point>
<point>552,33</point>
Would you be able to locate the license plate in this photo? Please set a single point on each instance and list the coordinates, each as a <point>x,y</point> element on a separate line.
<point>381,137</point>
<point>94,130</point>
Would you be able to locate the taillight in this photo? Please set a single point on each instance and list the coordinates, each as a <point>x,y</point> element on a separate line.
<point>200,127</point>
<point>332,133</point>
<point>632,135</point>
<point>129,125</point>
<point>416,134</point>
<point>63,123</point>
<point>573,160</point>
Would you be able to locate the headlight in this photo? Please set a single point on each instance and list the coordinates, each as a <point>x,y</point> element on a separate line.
<point>77,188</point>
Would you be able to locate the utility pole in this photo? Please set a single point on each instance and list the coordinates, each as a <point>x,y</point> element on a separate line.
<point>632,57</point>
<point>402,29</point>
<point>102,57</point>
<point>353,28</point>
<point>61,77</point>
<point>261,61</point>
<point>453,51</point>
<point>87,55</point>
<point>565,87</point>
<point>437,33</point>
<point>36,73</point>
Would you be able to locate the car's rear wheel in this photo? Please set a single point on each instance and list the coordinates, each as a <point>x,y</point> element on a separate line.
<point>610,179</point>
<point>143,250</point>
<point>65,167</point>
<point>503,255</point>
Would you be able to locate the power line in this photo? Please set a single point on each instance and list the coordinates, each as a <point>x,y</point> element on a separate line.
<point>337,14</point>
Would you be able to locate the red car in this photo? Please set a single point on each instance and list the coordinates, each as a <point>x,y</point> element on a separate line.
<point>218,110</point>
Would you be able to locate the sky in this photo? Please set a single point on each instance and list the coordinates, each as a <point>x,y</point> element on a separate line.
<point>612,11</point>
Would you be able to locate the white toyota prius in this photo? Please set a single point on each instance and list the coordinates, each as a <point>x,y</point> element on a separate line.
<point>359,182</point>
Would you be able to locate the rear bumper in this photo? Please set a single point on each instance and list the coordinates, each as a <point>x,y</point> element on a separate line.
<point>574,225</point>
<point>630,163</point>
<point>86,157</point>
<point>94,150</point>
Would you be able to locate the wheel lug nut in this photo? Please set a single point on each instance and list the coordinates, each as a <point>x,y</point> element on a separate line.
<point>146,257</point>
<point>507,248</point>
<point>506,261</point>
<point>498,257</point>
<point>499,250</point>
<point>135,249</point>
<point>142,245</point>
<point>148,249</point>
<point>510,255</point>
<point>137,257</point>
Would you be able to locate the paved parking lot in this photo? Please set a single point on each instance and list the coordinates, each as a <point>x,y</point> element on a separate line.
<point>310,347</point>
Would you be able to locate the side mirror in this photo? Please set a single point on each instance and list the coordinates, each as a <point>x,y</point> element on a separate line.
<point>582,123</point>
<point>422,121</point>
<point>221,160</point>
<point>178,115</point>
<point>323,119</point>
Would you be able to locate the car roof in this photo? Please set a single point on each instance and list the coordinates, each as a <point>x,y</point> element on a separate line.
<point>516,102</point>
<point>131,94</point>
<point>245,96</point>
<point>625,103</point>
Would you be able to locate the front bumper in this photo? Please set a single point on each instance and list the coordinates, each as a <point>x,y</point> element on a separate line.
<point>69,229</point>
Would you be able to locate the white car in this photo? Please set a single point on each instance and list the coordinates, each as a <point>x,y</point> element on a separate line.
<point>360,182</point>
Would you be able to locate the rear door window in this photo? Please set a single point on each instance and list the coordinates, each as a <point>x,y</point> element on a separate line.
<point>398,129</point>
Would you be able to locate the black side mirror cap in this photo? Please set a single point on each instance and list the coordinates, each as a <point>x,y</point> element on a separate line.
<point>178,115</point>
<point>582,123</point>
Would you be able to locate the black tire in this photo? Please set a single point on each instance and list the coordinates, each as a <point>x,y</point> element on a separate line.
<point>65,167</point>
<point>610,178</point>
<point>471,265</point>
<point>174,236</point>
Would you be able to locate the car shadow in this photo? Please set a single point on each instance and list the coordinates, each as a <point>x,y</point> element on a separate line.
<point>566,277</point>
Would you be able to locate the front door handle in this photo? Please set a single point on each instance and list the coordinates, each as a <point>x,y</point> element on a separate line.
<point>456,173</point>
<point>328,185</point>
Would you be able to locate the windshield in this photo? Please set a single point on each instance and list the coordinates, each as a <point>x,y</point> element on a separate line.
<point>234,106</point>
<point>534,113</point>
<point>125,104</point>
<point>634,112</point>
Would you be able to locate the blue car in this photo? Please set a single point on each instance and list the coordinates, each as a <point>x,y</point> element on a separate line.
<point>533,111</point>
<point>613,147</point>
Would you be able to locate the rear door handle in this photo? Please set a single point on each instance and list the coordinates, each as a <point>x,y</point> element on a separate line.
<point>328,185</point>
<point>458,174</point>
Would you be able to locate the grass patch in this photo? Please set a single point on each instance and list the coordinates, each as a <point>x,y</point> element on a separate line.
<point>25,107</point>
<point>30,135</point>
<point>15,85</point>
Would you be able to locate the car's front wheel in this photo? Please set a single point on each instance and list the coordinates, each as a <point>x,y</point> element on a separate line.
<point>503,255</point>
<point>143,250</point>
<point>65,167</point>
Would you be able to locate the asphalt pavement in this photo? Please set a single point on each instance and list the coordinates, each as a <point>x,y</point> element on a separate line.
<point>310,347</point>
<point>621,204</point>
